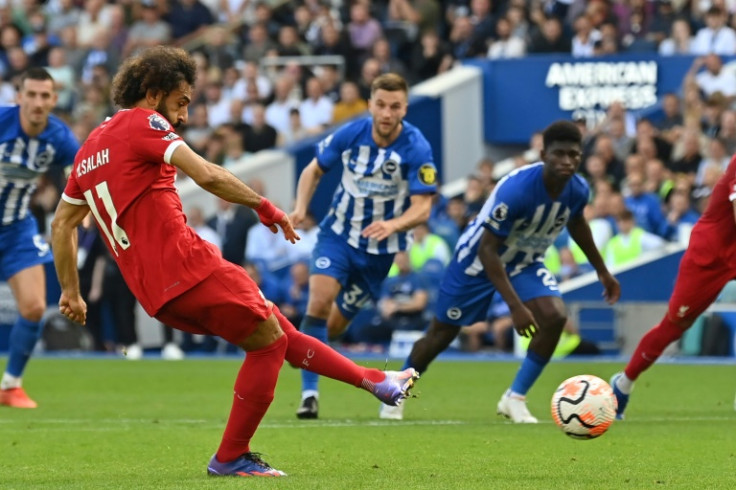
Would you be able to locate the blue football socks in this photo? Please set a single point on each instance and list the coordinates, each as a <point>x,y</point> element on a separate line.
<point>23,338</point>
<point>531,368</point>
<point>317,328</point>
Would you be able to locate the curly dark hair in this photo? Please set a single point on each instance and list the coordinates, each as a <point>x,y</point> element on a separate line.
<point>159,68</point>
<point>561,131</point>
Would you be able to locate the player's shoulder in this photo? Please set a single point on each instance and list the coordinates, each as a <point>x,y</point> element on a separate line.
<point>145,119</point>
<point>58,127</point>
<point>580,186</point>
<point>9,112</point>
<point>522,176</point>
<point>415,137</point>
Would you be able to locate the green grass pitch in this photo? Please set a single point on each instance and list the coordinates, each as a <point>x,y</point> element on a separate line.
<point>106,423</point>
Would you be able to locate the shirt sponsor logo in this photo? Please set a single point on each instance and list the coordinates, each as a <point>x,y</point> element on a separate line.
<point>170,137</point>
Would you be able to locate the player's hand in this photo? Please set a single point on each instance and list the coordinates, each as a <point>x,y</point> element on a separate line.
<point>379,230</point>
<point>297,217</point>
<point>73,307</point>
<point>271,216</point>
<point>524,322</point>
<point>611,287</point>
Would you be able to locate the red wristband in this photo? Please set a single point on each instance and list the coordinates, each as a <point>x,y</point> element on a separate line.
<point>268,213</point>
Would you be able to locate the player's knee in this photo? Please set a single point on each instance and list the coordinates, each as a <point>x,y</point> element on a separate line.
<point>32,310</point>
<point>319,306</point>
<point>555,321</point>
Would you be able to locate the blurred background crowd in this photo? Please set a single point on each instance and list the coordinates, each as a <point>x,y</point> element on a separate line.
<point>272,72</point>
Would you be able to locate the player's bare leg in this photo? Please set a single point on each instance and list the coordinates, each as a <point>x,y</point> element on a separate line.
<point>391,387</point>
<point>551,314</point>
<point>253,394</point>
<point>425,350</point>
<point>323,290</point>
<point>29,289</point>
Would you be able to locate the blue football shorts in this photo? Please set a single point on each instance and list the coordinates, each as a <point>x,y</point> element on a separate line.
<point>464,300</point>
<point>21,247</point>
<point>359,273</point>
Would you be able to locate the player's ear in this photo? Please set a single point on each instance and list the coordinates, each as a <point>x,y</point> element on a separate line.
<point>153,97</point>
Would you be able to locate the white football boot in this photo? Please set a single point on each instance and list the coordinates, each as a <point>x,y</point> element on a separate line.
<point>513,406</point>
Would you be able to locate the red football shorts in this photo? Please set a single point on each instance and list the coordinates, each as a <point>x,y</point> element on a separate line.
<point>700,280</point>
<point>227,303</point>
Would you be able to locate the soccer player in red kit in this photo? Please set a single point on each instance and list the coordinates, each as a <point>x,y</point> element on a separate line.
<point>124,174</point>
<point>707,265</point>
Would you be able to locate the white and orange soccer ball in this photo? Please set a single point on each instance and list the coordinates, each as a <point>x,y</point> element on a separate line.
<point>584,406</point>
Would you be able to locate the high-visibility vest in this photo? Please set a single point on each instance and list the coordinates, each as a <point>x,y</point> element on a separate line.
<point>620,252</point>
<point>552,260</point>
<point>421,253</point>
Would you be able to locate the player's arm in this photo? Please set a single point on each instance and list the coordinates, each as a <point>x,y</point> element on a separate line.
<point>580,232</point>
<point>305,189</point>
<point>64,244</point>
<point>225,185</point>
<point>522,317</point>
<point>417,212</point>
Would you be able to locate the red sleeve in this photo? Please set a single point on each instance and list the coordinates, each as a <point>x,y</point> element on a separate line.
<point>72,193</point>
<point>153,137</point>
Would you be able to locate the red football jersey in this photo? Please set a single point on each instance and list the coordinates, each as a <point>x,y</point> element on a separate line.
<point>715,232</point>
<point>122,172</point>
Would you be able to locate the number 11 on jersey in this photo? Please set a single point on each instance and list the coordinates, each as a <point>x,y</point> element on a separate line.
<point>118,235</point>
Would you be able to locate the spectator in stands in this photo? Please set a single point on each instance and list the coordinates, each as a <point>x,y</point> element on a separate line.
<point>727,132</point>
<point>218,107</point>
<point>252,86</point>
<point>188,19</point>
<point>195,219</point>
<point>680,41</point>
<point>430,57</point>
<point>403,301</point>
<point>295,292</point>
<point>219,47</point>
<point>289,43</point>
<point>716,156</point>
<point>420,15</point>
<point>461,39</point>
<point>714,78</point>
<point>350,104</point>
<point>506,45</point>
<point>427,246</point>
<point>585,37</point>
<point>658,180</point>
<point>277,112</point>
<point>689,153</point>
<point>232,222</point>
<point>258,135</point>
<point>498,326</point>
<point>381,51</point>
<point>661,23</point>
<point>316,110</point>
<point>630,241</point>
<point>94,21</point>
<point>364,30</point>
<point>672,113</point>
<point>62,14</point>
<point>681,217</point>
<point>64,79</point>
<point>332,41</point>
<point>549,38</point>
<point>646,207</point>
<point>258,43</point>
<point>295,131</point>
<point>603,147</point>
<point>149,30</point>
<point>716,37</point>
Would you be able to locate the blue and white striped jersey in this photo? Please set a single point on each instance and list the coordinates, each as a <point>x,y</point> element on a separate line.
<point>376,182</point>
<point>24,159</point>
<point>521,212</point>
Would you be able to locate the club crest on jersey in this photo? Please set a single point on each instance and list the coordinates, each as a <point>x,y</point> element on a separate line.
<point>427,174</point>
<point>158,122</point>
<point>389,166</point>
<point>500,212</point>
<point>322,262</point>
<point>454,313</point>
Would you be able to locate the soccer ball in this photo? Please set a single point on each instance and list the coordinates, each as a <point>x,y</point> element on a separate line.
<point>584,406</point>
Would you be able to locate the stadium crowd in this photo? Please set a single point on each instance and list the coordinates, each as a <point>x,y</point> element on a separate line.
<point>265,81</point>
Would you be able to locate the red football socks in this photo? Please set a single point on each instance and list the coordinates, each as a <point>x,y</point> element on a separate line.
<point>651,346</point>
<point>254,388</point>
<point>309,353</point>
